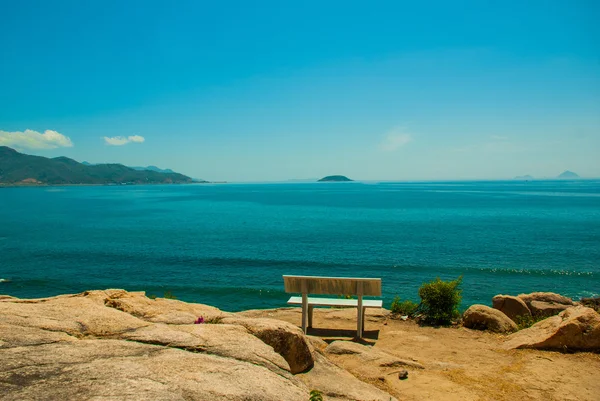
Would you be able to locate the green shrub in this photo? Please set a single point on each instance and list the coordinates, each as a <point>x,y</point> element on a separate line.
<point>440,301</point>
<point>406,307</point>
<point>169,295</point>
<point>316,395</point>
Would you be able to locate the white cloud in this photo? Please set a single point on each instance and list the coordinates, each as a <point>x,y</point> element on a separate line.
<point>30,139</point>
<point>122,140</point>
<point>394,140</point>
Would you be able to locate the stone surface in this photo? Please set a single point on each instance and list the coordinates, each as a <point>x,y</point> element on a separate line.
<point>77,316</point>
<point>481,317</point>
<point>123,370</point>
<point>285,338</point>
<point>544,304</point>
<point>593,303</point>
<point>546,309</point>
<point>369,354</point>
<point>575,329</point>
<point>513,307</point>
<point>161,310</point>
<point>229,341</point>
<point>338,384</point>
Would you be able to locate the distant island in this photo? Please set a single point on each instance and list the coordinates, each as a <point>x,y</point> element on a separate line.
<point>21,169</point>
<point>335,178</point>
<point>568,175</point>
<point>526,177</point>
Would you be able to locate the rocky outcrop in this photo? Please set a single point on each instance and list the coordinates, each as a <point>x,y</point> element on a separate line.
<point>229,341</point>
<point>161,310</point>
<point>544,304</point>
<point>513,307</point>
<point>593,303</point>
<point>125,370</point>
<point>285,338</point>
<point>481,317</point>
<point>122,345</point>
<point>575,329</point>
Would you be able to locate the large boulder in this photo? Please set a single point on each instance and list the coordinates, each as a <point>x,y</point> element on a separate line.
<point>513,307</point>
<point>481,317</point>
<point>575,329</point>
<point>286,339</point>
<point>544,304</point>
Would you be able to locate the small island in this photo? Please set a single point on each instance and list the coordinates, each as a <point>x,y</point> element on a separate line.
<point>335,178</point>
<point>568,175</point>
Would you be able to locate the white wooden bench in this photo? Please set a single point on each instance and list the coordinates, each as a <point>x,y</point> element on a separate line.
<point>333,286</point>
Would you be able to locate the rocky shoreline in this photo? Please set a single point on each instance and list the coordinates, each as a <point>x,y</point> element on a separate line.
<point>114,344</point>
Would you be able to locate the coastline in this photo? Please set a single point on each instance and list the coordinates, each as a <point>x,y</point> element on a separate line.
<point>28,185</point>
<point>125,345</point>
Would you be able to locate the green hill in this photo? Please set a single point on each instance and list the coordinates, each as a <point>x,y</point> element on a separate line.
<point>19,168</point>
<point>335,178</point>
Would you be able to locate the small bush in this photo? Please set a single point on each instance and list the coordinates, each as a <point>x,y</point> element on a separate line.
<point>406,307</point>
<point>169,295</point>
<point>440,301</point>
<point>316,395</point>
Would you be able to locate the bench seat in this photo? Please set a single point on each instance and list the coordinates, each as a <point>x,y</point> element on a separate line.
<point>349,303</point>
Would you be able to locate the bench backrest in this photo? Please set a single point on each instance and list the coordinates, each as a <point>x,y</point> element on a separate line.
<point>332,285</point>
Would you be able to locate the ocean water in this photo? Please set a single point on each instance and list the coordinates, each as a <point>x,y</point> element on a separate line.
<point>229,244</point>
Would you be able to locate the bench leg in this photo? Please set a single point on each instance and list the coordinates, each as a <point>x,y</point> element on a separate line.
<point>304,311</point>
<point>363,319</point>
<point>310,316</point>
<point>359,323</point>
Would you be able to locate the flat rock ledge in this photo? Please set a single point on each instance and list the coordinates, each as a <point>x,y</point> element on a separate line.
<point>114,344</point>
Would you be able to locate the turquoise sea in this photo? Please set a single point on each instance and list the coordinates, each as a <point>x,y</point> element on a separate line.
<point>229,244</point>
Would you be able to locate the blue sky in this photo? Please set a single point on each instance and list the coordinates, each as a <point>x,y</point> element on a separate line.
<point>258,91</point>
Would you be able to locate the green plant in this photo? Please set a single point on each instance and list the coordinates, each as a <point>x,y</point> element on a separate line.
<point>406,307</point>
<point>525,321</point>
<point>316,395</point>
<point>169,295</point>
<point>152,296</point>
<point>440,300</point>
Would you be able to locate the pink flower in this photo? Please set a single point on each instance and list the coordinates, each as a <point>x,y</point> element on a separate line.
<point>199,320</point>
